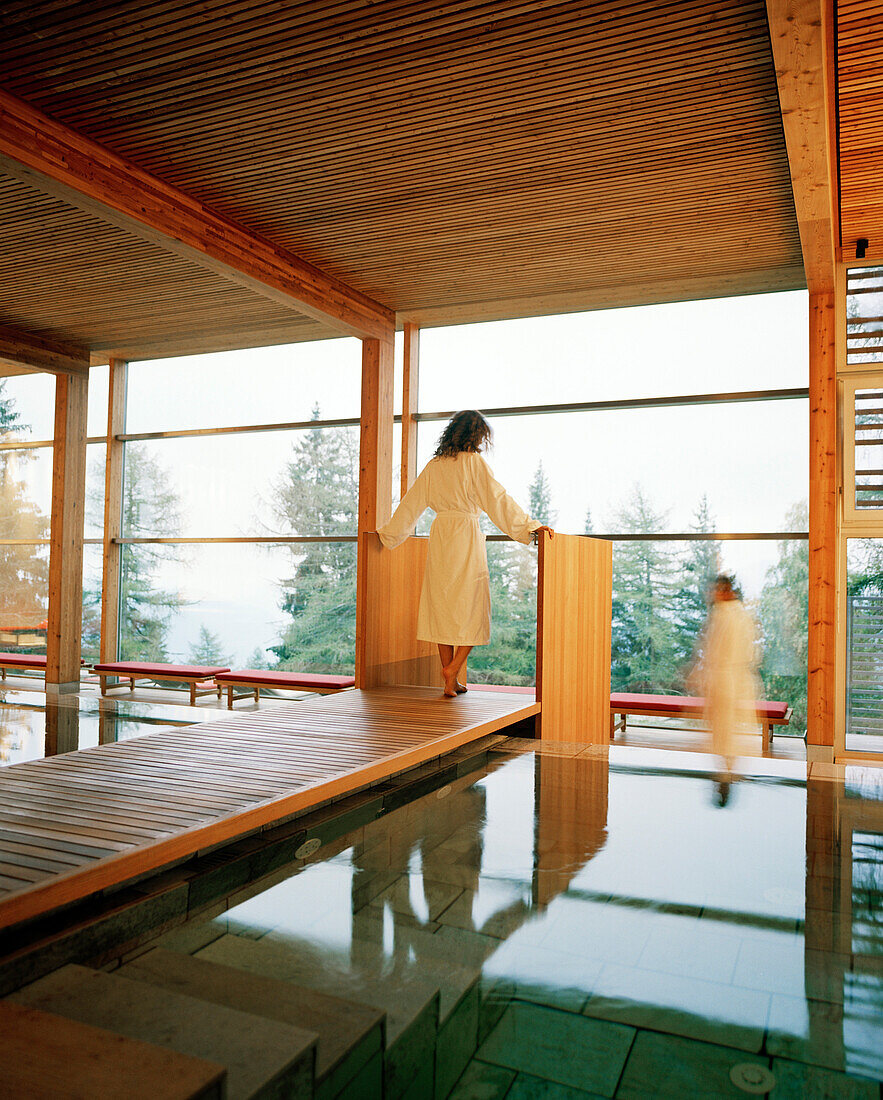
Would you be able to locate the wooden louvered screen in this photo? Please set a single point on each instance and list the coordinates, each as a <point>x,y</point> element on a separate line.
<point>863,466</point>
<point>864,668</point>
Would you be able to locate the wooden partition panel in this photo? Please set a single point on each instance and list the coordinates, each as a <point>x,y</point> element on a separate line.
<point>387,649</point>
<point>573,638</point>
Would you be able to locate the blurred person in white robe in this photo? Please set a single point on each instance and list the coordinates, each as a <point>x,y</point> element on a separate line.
<point>728,677</point>
<point>458,485</point>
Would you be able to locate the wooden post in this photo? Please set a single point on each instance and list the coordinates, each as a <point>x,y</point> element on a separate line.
<point>574,578</point>
<point>66,533</point>
<point>113,511</point>
<point>822,520</point>
<point>375,469</point>
<point>410,375</point>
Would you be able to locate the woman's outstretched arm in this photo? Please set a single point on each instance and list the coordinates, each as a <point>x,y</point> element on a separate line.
<point>502,509</point>
<point>414,503</point>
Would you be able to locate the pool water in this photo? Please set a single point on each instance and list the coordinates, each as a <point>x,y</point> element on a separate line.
<point>33,726</point>
<point>600,923</point>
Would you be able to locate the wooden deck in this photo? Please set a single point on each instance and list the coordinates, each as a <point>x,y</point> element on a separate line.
<point>74,824</point>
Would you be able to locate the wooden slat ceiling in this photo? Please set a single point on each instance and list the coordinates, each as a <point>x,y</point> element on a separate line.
<point>860,109</point>
<point>455,162</point>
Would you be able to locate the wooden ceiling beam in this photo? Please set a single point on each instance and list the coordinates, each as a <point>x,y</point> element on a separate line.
<point>45,353</point>
<point>60,162</point>
<point>802,35</point>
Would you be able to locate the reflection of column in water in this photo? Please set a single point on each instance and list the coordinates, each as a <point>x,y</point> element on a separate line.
<point>107,721</point>
<point>828,925</point>
<point>571,819</point>
<point>62,726</point>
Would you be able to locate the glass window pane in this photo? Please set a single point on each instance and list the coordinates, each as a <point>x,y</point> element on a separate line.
<point>864,644</point>
<point>669,470</point>
<point>27,407</point>
<point>260,483</point>
<point>260,386</point>
<point>869,448</point>
<point>864,315</point>
<point>241,605</point>
<point>24,597</point>
<point>97,409</point>
<point>93,560</point>
<point>95,468</point>
<point>718,346</point>
<point>25,493</point>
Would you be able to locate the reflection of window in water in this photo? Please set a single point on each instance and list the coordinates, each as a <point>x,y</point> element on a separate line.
<point>867,893</point>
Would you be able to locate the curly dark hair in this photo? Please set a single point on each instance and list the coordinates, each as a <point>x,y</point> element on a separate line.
<point>466,431</point>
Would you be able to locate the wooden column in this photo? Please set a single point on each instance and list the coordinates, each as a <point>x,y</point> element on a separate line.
<point>375,470</point>
<point>113,511</point>
<point>411,371</point>
<point>574,578</point>
<point>66,534</point>
<point>822,520</point>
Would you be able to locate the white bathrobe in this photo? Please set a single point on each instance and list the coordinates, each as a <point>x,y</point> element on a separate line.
<point>455,601</point>
<point>731,684</point>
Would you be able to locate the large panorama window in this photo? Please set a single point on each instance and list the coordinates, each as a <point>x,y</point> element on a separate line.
<point>678,431</point>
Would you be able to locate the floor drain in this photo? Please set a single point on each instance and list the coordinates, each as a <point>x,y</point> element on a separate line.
<point>308,848</point>
<point>751,1077</point>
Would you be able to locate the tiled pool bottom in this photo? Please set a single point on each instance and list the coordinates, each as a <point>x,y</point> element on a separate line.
<point>594,925</point>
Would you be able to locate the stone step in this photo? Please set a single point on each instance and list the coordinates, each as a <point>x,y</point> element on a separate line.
<point>410,1001</point>
<point>44,1056</point>
<point>350,1046</point>
<point>263,1058</point>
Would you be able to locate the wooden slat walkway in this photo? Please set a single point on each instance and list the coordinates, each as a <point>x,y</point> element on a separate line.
<point>74,824</point>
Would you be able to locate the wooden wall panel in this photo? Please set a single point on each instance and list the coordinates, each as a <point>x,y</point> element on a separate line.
<point>573,638</point>
<point>516,159</point>
<point>387,649</point>
<point>860,114</point>
<point>822,521</point>
<point>66,532</point>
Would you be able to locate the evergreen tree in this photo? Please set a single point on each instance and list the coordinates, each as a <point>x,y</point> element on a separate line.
<point>588,528</point>
<point>208,649</point>
<point>150,508</point>
<point>318,495</point>
<point>646,578</point>
<point>700,565</point>
<point>24,569</point>
<point>258,658</point>
<point>784,616</point>
<point>540,498</point>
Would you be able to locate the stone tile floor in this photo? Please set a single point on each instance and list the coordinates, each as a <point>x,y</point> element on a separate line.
<point>629,936</point>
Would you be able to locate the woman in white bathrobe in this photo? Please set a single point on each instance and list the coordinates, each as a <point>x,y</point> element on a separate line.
<point>457,484</point>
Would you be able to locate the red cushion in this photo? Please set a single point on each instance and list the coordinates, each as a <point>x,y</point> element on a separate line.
<point>680,704</point>
<point>525,690</point>
<point>28,660</point>
<point>285,679</point>
<point>160,672</point>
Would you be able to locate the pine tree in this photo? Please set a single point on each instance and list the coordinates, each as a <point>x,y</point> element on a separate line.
<point>645,654</point>
<point>699,567</point>
<point>784,615</point>
<point>540,498</point>
<point>588,527</point>
<point>208,649</point>
<point>24,569</point>
<point>150,508</point>
<point>318,495</point>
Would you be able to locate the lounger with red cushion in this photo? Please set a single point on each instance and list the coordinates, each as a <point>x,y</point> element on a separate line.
<point>254,679</point>
<point>28,662</point>
<point>769,713</point>
<point>199,677</point>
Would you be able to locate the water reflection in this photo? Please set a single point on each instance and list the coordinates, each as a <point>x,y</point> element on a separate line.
<point>34,725</point>
<point>612,891</point>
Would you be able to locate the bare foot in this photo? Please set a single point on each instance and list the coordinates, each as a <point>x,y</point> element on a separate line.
<point>450,683</point>
<point>461,688</point>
